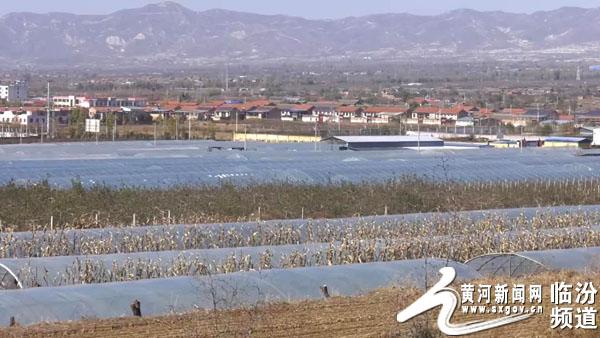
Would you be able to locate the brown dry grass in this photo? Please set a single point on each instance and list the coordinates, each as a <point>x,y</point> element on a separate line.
<point>372,315</point>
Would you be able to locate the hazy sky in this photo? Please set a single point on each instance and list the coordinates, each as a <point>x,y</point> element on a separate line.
<point>304,8</point>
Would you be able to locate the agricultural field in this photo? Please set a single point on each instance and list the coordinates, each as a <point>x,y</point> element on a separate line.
<point>42,206</point>
<point>372,314</point>
<point>65,257</point>
<point>168,164</point>
<point>90,233</point>
<point>70,274</point>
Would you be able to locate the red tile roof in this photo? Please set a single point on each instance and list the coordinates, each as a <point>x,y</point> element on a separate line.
<point>566,117</point>
<point>179,106</point>
<point>385,109</point>
<point>484,112</point>
<point>303,107</point>
<point>433,110</point>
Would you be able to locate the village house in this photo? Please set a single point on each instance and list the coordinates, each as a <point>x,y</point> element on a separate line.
<point>158,114</point>
<point>205,111</point>
<point>326,112</point>
<point>436,115</point>
<point>72,101</point>
<point>383,114</point>
<point>297,112</point>
<point>238,110</point>
<point>129,114</point>
<point>226,112</point>
<point>264,113</point>
<point>117,102</point>
<point>23,118</point>
<point>467,121</point>
<point>101,113</point>
<point>167,109</point>
<point>537,116</point>
<point>522,117</point>
<point>352,113</point>
<point>512,116</point>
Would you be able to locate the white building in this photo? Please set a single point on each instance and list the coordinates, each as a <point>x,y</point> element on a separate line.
<point>70,101</point>
<point>23,118</point>
<point>596,137</point>
<point>15,92</point>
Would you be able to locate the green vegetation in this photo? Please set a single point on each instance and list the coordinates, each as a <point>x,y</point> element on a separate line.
<point>22,207</point>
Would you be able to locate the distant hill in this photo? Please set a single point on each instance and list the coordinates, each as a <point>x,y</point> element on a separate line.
<point>170,33</point>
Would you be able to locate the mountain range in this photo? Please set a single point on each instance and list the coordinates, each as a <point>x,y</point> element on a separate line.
<point>168,33</point>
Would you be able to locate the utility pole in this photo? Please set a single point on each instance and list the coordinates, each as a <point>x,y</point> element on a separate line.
<point>189,126</point>
<point>418,135</point>
<point>227,77</point>
<point>155,134</point>
<point>315,136</point>
<point>114,127</point>
<point>47,111</point>
<point>245,138</point>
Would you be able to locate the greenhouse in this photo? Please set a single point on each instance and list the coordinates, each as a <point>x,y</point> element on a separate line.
<point>302,225</point>
<point>145,164</point>
<point>533,262</point>
<point>243,289</point>
<point>65,270</point>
